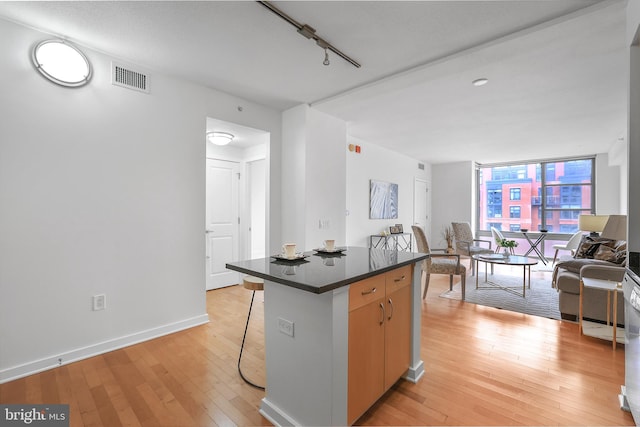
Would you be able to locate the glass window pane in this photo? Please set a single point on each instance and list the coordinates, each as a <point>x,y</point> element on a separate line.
<point>512,197</point>
<point>569,172</point>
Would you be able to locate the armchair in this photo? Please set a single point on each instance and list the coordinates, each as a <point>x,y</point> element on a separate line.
<point>438,263</point>
<point>466,243</point>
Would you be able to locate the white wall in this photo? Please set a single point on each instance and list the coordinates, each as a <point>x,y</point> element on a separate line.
<point>618,156</point>
<point>313,175</point>
<point>326,166</point>
<point>375,162</point>
<point>294,175</point>
<point>453,197</point>
<point>608,187</point>
<point>102,190</point>
<point>633,32</point>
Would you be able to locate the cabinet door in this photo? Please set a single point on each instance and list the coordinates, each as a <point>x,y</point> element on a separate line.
<point>366,357</point>
<point>398,334</point>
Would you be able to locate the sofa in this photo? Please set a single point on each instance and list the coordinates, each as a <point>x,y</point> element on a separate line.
<point>602,257</point>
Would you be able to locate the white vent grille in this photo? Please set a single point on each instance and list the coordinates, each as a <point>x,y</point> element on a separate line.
<point>126,77</point>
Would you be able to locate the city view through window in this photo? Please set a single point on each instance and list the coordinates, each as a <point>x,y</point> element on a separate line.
<point>535,196</point>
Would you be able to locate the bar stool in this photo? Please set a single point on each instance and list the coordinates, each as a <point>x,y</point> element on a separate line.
<point>253,284</point>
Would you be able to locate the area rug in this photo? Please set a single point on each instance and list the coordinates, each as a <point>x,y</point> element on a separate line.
<point>541,300</point>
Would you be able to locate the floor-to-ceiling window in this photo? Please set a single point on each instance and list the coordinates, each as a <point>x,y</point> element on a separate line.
<point>543,195</point>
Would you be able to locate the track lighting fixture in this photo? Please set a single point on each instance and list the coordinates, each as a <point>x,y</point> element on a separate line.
<point>323,44</point>
<point>310,33</point>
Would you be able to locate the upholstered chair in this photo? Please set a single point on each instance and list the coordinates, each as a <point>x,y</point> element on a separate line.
<point>438,263</point>
<point>466,244</point>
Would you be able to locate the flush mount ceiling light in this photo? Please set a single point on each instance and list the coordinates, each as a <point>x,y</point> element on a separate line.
<point>62,63</point>
<point>219,138</point>
<point>310,33</point>
<point>480,82</point>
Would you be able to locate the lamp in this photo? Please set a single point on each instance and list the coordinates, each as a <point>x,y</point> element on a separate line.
<point>616,227</point>
<point>219,138</point>
<point>592,223</point>
<point>61,62</point>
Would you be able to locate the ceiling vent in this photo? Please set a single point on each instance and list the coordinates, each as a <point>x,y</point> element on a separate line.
<point>124,76</point>
<point>421,166</point>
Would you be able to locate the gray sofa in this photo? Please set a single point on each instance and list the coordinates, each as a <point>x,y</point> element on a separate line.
<point>595,301</point>
<point>602,258</point>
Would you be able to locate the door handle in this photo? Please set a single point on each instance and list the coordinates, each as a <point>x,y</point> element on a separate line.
<point>390,311</point>
<point>382,312</point>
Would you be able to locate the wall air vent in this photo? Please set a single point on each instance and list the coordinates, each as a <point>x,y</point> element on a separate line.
<point>421,166</point>
<point>124,76</point>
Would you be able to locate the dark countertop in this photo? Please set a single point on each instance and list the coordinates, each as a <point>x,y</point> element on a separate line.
<point>319,273</point>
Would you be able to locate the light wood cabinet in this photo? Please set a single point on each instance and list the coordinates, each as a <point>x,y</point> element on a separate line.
<point>379,337</point>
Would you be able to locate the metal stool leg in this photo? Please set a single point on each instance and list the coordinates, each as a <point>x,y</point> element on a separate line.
<point>242,346</point>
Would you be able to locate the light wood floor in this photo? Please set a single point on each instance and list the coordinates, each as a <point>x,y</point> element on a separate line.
<point>483,367</point>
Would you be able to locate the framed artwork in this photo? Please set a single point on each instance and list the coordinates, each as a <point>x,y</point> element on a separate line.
<point>383,200</point>
<point>399,228</point>
<point>393,229</point>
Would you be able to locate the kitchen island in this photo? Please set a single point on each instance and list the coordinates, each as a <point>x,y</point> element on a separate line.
<point>340,329</point>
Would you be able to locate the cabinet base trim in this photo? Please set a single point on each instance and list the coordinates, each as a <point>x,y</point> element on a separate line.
<point>275,415</point>
<point>415,372</point>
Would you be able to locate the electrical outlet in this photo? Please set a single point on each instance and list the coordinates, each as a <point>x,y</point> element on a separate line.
<point>285,326</point>
<point>99,302</point>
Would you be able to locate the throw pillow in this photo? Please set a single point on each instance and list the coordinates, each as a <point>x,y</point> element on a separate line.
<point>589,246</point>
<point>606,253</point>
<point>621,252</point>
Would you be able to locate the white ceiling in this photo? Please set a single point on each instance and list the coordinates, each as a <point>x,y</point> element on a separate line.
<point>557,69</point>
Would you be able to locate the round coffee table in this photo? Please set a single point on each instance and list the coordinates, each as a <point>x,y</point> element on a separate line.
<point>495,259</point>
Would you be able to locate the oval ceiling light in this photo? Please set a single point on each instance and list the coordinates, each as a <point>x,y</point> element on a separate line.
<point>480,82</point>
<point>219,138</point>
<point>62,63</point>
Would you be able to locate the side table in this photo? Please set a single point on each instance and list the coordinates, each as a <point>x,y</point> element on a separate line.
<point>394,242</point>
<point>598,330</point>
<point>535,245</point>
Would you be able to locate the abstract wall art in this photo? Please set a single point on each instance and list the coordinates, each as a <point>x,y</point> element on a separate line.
<point>383,199</point>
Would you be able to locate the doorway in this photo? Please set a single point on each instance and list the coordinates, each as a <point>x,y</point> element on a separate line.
<point>236,201</point>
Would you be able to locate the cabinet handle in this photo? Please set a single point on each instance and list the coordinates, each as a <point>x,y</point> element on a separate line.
<point>382,310</point>
<point>390,311</point>
<point>370,291</point>
<point>400,279</point>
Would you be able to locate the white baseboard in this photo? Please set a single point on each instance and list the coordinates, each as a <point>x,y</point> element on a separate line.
<point>275,415</point>
<point>71,356</point>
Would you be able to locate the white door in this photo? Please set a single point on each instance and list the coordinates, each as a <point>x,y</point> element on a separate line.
<point>421,207</point>
<point>222,218</point>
